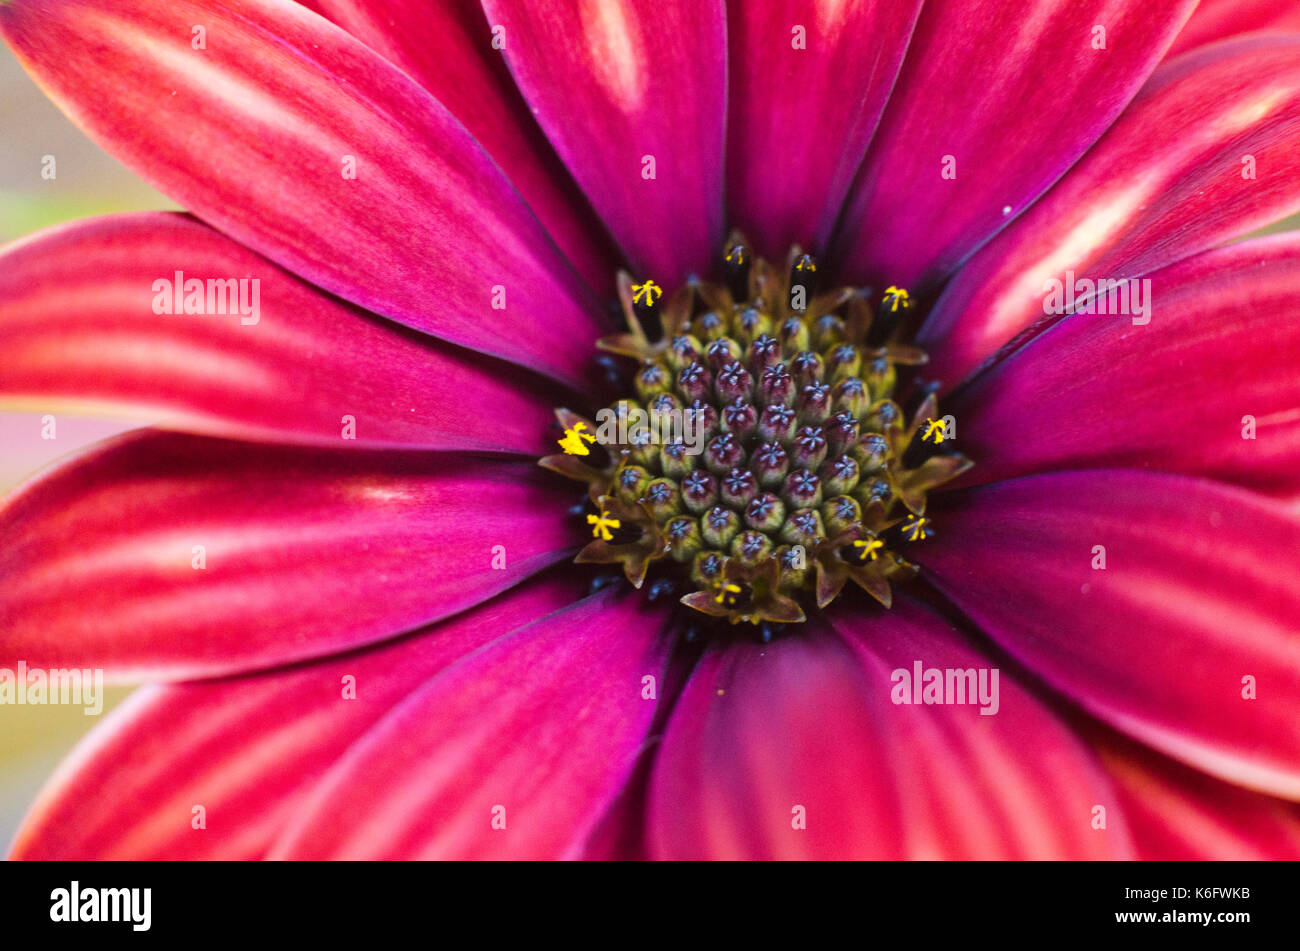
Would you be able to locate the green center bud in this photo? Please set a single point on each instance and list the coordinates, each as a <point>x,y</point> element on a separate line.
<point>764,460</point>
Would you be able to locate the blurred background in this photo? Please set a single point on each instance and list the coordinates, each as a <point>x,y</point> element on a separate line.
<point>88,182</point>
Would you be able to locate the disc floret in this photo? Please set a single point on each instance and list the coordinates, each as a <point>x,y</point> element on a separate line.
<point>764,459</point>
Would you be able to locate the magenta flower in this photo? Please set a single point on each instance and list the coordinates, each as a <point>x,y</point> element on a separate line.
<point>354,589</point>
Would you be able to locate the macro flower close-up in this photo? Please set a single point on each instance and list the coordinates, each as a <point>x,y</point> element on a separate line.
<point>667,429</point>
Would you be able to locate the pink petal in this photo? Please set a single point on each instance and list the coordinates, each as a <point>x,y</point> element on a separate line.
<point>760,731</point>
<point>1178,814</point>
<point>78,327</point>
<point>796,134</point>
<point>1167,181</point>
<point>807,723</point>
<point>621,833</point>
<point>1221,346</point>
<point>540,731</point>
<point>307,552</point>
<point>1220,19</point>
<point>448,48</point>
<point>248,750</point>
<point>253,134</point>
<point>617,83</point>
<point>1013,94</point>
<point>1197,594</point>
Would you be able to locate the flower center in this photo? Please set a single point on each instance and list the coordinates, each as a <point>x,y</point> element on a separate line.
<point>764,461</point>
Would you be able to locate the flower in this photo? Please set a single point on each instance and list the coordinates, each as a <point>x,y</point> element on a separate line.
<point>351,585</point>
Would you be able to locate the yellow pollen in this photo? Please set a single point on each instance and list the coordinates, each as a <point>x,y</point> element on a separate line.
<point>602,524</point>
<point>646,293</point>
<point>869,548</point>
<point>933,427</point>
<point>896,295</point>
<point>727,592</point>
<point>916,527</point>
<point>572,443</point>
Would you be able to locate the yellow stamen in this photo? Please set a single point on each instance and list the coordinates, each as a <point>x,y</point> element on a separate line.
<point>727,591</point>
<point>572,443</point>
<point>869,547</point>
<point>646,293</point>
<point>916,527</point>
<point>896,295</point>
<point>603,523</point>
<point>736,255</point>
<point>933,428</point>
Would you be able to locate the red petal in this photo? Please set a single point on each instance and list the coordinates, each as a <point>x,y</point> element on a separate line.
<point>307,552</point>
<point>253,133</point>
<point>1197,594</point>
<point>448,48</point>
<point>1165,182</point>
<point>1004,97</point>
<point>248,750</point>
<point>806,729</point>
<point>1221,348</point>
<point>540,731</point>
<point>78,326</point>
<point>1178,814</point>
<point>796,134</point>
<point>616,83</point>
<point>1220,19</point>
